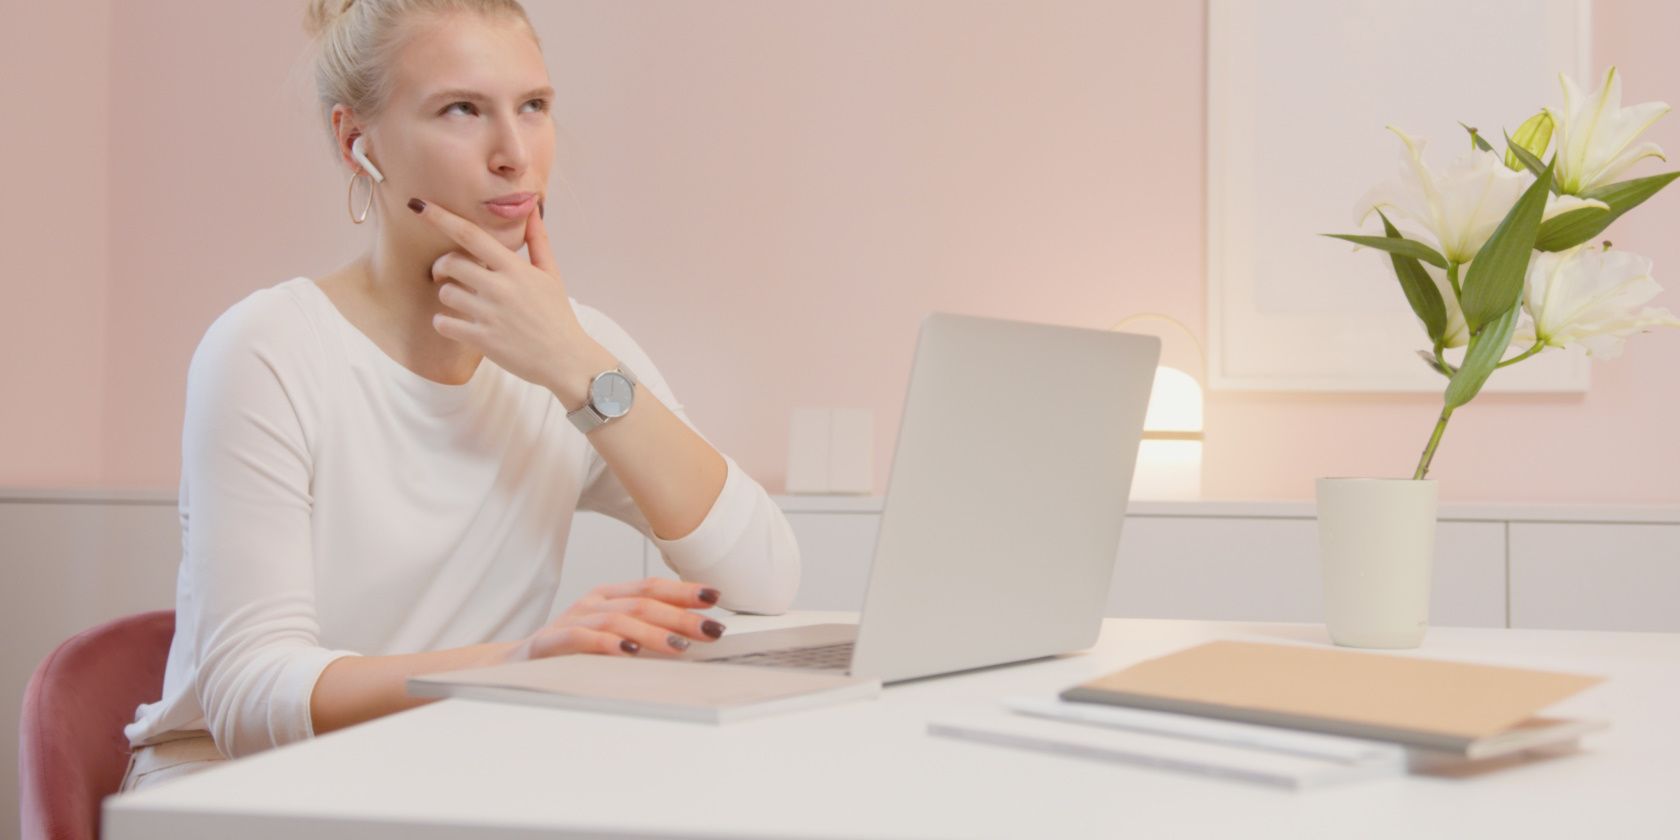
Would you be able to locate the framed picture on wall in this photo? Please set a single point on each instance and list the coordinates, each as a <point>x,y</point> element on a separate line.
<point>1299,93</point>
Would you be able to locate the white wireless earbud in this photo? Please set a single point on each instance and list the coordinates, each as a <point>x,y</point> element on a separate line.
<point>358,150</point>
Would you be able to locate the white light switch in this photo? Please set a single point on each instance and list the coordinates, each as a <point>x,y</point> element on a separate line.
<point>808,448</point>
<point>851,453</point>
<point>831,451</point>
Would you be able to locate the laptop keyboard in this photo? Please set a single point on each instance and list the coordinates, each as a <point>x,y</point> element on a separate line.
<point>835,657</point>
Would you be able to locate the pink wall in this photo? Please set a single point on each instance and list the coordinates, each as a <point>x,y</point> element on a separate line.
<point>768,196</point>
<point>54,65</point>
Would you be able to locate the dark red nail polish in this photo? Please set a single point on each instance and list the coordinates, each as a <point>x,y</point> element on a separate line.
<point>628,646</point>
<point>710,596</point>
<point>712,628</point>
<point>541,213</point>
<point>416,205</point>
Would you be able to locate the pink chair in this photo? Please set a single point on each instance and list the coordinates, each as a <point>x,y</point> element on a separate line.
<point>71,749</point>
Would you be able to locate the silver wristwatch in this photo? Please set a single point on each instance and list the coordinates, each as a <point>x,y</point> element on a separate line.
<point>610,394</point>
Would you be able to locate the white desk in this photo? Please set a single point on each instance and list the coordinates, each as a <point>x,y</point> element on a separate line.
<point>869,769</point>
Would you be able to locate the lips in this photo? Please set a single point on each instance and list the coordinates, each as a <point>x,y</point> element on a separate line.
<point>513,205</point>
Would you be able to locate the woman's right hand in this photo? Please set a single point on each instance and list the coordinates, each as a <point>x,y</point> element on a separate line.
<point>624,619</point>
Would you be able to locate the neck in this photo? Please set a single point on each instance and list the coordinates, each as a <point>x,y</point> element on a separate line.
<point>397,278</point>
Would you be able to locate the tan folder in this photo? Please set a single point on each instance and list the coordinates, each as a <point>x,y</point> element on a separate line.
<point>1472,710</point>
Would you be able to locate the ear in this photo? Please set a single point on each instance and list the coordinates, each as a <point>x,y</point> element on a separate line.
<point>347,129</point>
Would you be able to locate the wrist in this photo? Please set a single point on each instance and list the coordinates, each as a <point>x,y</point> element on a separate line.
<point>571,386</point>
<point>502,653</point>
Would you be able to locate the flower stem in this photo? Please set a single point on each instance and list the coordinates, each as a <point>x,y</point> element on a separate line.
<point>1538,346</point>
<point>1452,277</point>
<point>1434,441</point>
<point>1447,369</point>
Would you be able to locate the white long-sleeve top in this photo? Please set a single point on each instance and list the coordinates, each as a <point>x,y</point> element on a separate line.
<point>335,503</point>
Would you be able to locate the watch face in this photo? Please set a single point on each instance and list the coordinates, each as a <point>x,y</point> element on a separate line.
<point>611,394</point>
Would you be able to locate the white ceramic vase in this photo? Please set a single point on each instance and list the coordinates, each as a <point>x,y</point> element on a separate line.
<point>1377,545</point>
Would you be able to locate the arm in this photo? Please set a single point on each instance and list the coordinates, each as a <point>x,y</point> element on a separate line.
<point>678,476</point>
<point>673,475</point>
<point>696,496</point>
<point>360,688</point>
<point>618,619</point>
<point>247,600</point>
<point>659,475</point>
<point>654,469</point>
<point>247,606</point>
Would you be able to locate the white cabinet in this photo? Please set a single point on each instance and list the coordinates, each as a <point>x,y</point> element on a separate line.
<point>1617,570</point>
<point>1219,567</point>
<point>834,552</point>
<point>600,550</point>
<point>1267,569</point>
<point>1595,576</point>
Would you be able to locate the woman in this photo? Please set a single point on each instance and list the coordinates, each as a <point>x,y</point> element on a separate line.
<point>380,465</point>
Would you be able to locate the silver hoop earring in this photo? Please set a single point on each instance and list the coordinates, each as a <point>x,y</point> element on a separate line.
<point>366,206</point>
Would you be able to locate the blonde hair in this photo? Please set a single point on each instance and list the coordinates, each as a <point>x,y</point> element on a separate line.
<point>357,40</point>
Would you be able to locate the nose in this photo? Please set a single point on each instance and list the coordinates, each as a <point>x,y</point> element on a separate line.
<point>509,153</point>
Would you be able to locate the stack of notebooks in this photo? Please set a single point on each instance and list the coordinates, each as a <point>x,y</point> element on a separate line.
<point>1291,716</point>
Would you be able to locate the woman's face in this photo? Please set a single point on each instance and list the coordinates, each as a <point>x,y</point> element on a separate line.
<point>468,123</point>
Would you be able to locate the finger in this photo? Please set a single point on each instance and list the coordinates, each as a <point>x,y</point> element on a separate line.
<point>561,641</point>
<point>457,329</point>
<point>692,625</point>
<point>461,267</point>
<point>456,297</point>
<point>651,637</point>
<point>680,592</point>
<point>475,239</point>
<point>536,244</point>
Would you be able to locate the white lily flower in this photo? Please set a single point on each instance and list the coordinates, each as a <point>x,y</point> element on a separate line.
<point>1559,204</point>
<point>1458,208</point>
<point>1595,134</point>
<point>1591,297</point>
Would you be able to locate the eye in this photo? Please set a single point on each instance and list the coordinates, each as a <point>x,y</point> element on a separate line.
<point>452,105</point>
<point>542,104</point>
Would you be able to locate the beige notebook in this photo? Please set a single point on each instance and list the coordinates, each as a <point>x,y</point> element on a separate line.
<point>665,688</point>
<point>1476,711</point>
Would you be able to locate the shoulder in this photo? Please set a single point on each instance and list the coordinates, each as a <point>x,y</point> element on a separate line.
<point>268,316</point>
<point>271,325</point>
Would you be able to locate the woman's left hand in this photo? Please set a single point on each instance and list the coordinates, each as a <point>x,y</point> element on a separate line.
<point>515,312</point>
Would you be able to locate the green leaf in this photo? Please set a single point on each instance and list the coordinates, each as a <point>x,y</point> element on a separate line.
<point>1487,347</point>
<point>1394,243</point>
<point>1476,140</point>
<point>1528,159</point>
<point>1623,196</point>
<point>1495,280</point>
<point>1420,289</point>
<point>1577,226</point>
<point>1567,230</point>
<point>1533,136</point>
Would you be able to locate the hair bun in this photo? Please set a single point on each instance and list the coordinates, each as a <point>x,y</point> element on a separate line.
<point>320,14</point>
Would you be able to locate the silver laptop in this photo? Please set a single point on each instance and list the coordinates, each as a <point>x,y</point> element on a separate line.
<point>1003,510</point>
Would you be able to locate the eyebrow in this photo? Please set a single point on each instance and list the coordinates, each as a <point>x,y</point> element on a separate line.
<point>454,94</point>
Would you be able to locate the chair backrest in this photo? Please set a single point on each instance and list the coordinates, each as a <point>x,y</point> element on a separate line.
<point>71,749</point>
